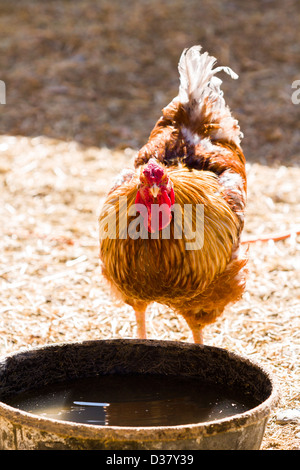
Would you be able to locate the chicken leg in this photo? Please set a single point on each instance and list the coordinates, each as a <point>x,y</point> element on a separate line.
<point>197,335</point>
<point>140,321</point>
<point>195,326</point>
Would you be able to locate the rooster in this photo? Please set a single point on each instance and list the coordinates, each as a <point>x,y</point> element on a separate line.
<point>193,158</point>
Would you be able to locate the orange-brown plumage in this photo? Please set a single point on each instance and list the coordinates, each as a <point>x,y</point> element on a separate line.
<point>193,153</point>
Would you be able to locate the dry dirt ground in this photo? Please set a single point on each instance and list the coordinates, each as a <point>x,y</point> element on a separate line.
<point>85,82</point>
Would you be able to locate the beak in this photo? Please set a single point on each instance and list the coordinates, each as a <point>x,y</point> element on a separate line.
<point>154,190</point>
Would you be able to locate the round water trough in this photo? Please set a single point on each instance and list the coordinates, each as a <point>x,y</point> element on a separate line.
<point>60,363</point>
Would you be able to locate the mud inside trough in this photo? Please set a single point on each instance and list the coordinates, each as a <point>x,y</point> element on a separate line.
<point>146,394</point>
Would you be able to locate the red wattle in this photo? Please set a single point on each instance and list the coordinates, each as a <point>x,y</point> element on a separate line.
<point>159,210</point>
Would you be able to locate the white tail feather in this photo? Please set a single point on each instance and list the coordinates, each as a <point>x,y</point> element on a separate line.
<point>198,84</point>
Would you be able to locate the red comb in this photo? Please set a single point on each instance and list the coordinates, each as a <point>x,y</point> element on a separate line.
<point>153,171</point>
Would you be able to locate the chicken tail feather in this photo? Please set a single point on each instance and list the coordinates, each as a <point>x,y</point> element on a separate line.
<point>201,95</point>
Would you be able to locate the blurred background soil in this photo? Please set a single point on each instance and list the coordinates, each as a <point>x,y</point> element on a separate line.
<point>99,72</point>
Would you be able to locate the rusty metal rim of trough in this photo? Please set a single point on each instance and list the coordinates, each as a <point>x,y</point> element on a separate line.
<point>96,432</point>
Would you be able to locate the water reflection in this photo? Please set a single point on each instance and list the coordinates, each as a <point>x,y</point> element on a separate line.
<point>133,400</point>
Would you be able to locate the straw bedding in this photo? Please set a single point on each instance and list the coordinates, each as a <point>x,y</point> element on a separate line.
<point>51,286</point>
